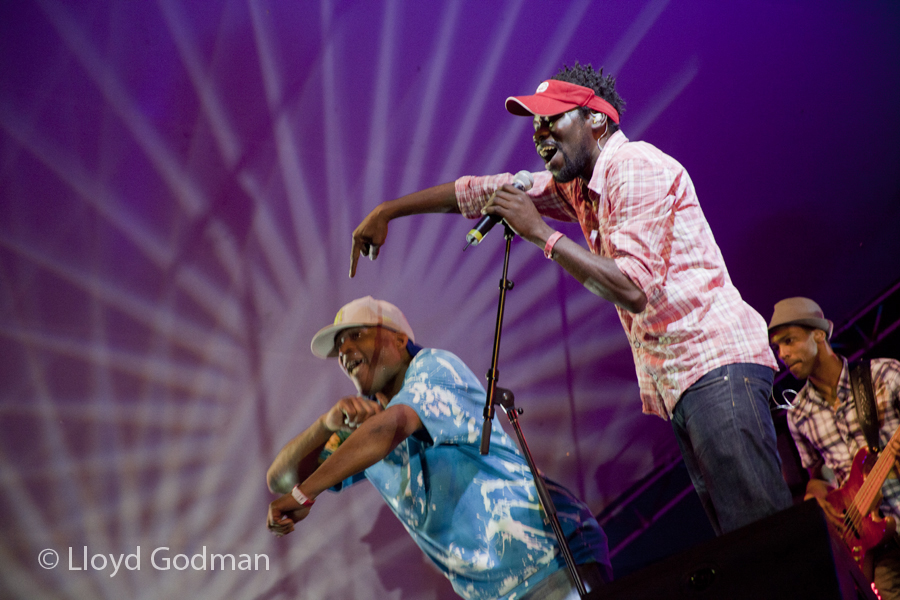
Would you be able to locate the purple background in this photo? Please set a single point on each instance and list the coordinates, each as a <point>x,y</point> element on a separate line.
<point>178,184</point>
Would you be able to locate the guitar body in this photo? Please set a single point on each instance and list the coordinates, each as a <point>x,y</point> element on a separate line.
<point>873,530</point>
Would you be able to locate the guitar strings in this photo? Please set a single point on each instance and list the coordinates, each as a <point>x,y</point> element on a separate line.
<point>853,514</point>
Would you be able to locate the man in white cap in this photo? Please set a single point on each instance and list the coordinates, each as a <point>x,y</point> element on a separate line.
<point>414,431</point>
<point>825,424</point>
<point>701,353</point>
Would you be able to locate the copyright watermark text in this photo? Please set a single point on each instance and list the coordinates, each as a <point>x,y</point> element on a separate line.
<point>160,559</point>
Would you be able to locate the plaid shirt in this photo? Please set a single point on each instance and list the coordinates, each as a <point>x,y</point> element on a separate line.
<point>641,210</point>
<point>835,436</point>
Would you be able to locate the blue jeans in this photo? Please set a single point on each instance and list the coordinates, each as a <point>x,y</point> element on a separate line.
<point>727,438</point>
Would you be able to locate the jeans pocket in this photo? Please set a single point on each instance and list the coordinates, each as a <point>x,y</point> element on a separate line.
<point>756,390</point>
<point>716,376</point>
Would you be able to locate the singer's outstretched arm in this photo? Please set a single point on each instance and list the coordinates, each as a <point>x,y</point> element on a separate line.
<point>371,233</point>
<point>598,274</point>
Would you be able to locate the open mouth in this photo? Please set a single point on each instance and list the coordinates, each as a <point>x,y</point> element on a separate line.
<point>547,152</point>
<point>351,366</point>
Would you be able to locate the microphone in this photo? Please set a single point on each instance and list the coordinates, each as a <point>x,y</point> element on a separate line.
<point>522,180</point>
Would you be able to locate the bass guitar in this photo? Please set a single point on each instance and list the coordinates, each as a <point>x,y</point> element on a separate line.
<point>859,496</point>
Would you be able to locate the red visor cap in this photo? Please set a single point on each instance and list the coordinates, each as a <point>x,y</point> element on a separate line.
<point>556,97</point>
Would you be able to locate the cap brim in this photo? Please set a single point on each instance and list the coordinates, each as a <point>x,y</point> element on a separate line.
<point>541,106</point>
<point>323,345</point>
<point>823,324</point>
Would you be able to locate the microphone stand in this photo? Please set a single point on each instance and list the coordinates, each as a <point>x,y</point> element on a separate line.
<point>507,402</point>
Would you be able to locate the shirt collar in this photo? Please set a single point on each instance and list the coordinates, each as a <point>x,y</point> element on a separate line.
<point>612,145</point>
<point>843,386</point>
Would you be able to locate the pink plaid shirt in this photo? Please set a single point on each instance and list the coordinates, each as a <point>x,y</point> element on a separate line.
<point>641,210</point>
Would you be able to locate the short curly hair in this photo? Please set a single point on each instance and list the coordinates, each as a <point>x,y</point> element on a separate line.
<point>603,86</point>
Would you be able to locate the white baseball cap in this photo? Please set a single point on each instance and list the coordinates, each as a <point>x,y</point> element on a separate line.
<point>362,312</point>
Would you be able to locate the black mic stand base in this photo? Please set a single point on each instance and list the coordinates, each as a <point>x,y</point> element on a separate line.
<point>507,401</point>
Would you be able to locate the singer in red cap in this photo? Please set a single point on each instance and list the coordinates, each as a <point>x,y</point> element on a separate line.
<point>701,353</point>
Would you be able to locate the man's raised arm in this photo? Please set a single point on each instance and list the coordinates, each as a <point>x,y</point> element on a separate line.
<point>299,458</point>
<point>372,232</point>
<point>374,440</point>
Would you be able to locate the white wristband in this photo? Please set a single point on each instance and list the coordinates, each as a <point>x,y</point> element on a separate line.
<point>300,497</point>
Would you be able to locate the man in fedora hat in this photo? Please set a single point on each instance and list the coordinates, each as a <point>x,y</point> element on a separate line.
<point>701,354</point>
<point>413,429</point>
<point>824,422</point>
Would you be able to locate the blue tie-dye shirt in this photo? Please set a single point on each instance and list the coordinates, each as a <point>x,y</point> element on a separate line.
<point>477,517</point>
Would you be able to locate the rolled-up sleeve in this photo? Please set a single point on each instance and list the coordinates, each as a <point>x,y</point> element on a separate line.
<point>472,193</point>
<point>638,233</point>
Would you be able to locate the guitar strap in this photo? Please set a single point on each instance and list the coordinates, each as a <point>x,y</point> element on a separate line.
<point>864,397</point>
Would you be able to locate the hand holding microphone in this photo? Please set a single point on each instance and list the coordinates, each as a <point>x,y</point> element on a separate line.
<point>523,181</point>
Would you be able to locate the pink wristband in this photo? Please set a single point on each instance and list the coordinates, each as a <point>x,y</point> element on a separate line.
<point>551,241</point>
<point>300,497</point>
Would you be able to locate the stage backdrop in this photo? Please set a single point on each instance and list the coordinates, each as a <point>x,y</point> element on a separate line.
<point>178,185</point>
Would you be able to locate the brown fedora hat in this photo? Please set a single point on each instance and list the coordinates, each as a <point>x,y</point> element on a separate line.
<point>800,311</point>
